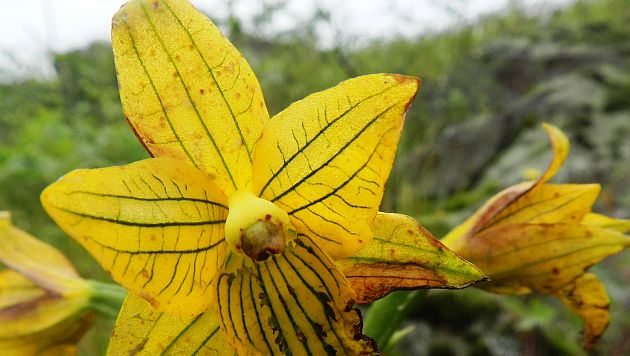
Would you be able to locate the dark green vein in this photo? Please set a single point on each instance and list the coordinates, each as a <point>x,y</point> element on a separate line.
<point>337,154</point>
<point>255,307</point>
<point>160,252</point>
<point>182,332</point>
<point>210,70</point>
<point>197,200</point>
<point>139,224</point>
<point>206,340</point>
<point>157,95</point>
<point>193,103</point>
<point>314,138</point>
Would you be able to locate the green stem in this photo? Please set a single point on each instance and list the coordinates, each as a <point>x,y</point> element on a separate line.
<point>107,298</point>
<point>385,315</point>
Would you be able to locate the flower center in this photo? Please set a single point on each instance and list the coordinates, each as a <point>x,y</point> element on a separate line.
<point>256,226</point>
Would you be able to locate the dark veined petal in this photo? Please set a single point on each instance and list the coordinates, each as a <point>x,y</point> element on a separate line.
<point>403,255</point>
<point>531,202</point>
<point>142,330</point>
<point>520,258</point>
<point>156,225</point>
<point>186,91</point>
<point>295,303</point>
<point>325,159</point>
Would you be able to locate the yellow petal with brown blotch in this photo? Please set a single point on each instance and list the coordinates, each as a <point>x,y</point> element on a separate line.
<point>488,210</point>
<point>587,297</point>
<point>325,159</point>
<point>295,303</point>
<point>403,255</point>
<point>142,330</point>
<point>520,258</point>
<point>509,203</point>
<point>547,204</point>
<point>156,225</point>
<point>186,91</point>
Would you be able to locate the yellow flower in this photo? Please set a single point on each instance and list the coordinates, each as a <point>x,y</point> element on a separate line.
<point>43,300</point>
<point>231,232</point>
<point>542,237</point>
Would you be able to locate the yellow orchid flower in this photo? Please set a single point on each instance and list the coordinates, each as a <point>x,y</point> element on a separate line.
<point>229,235</point>
<point>43,301</point>
<point>542,237</point>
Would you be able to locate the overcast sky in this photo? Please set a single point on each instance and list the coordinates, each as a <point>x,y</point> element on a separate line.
<point>31,28</point>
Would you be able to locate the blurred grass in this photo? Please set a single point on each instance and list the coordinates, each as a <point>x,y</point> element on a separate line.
<point>48,128</point>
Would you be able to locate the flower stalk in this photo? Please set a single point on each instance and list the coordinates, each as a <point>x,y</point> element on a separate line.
<point>106,298</point>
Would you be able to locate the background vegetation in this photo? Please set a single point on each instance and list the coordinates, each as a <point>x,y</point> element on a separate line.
<point>473,130</point>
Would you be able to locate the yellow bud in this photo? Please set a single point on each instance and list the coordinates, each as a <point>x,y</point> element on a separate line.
<point>34,319</point>
<point>256,226</point>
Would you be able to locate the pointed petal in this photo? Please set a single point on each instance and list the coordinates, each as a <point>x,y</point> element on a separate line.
<point>520,258</point>
<point>494,209</point>
<point>326,158</point>
<point>186,91</point>
<point>403,255</point>
<point>141,329</point>
<point>33,319</point>
<point>548,204</point>
<point>620,225</point>
<point>587,297</point>
<point>296,303</point>
<point>38,261</point>
<point>560,147</point>
<point>156,225</point>
<point>488,210</point>
<point>544,204</point>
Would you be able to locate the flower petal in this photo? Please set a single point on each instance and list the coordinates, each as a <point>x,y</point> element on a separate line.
<point>560,146</point>
<point>33,319</point>
<point>520,258</point>
<point>544,204</point>
<point>403,255</point>
<point>593,219</point>
<point>548,204</point>
<point>141,329</point>
<point>295,303</point>
<point>587,297</point>
<point>494,209</point>
<point>38,261</point>
<point>156,225</point>
<point>326,158</point>
<point>186,91</point>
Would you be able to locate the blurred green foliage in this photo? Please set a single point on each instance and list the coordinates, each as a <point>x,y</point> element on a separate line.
<point>471,74</point>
